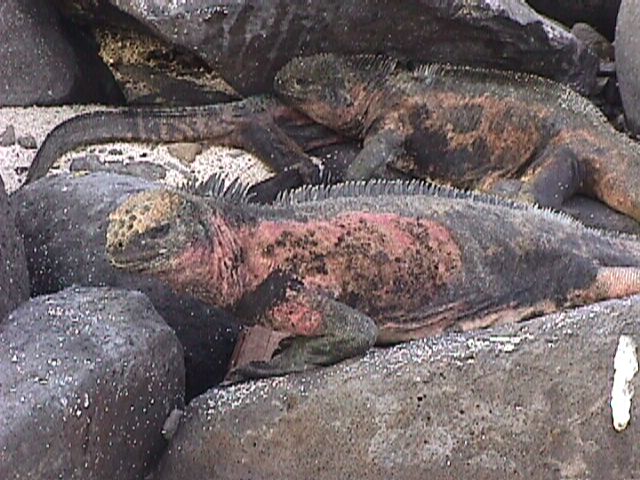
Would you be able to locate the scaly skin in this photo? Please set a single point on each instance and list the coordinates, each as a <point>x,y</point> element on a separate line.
<point>261,125</point>
<point>505,132</point>
<point>381,264</point>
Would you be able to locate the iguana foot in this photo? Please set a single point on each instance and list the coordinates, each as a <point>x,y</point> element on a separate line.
<point>346,333</point>
<point>297,355</point>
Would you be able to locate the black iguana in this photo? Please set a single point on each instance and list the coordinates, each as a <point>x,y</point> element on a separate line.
<point>506,132</point>
<point>344,267</point>
<point>261,125</point>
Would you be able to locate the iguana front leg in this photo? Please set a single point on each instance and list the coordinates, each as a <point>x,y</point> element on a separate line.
<point>556,175</point>
<point>575,162</point>
<point>326,331</point>
<point>379,150</point>
<point>267,141</point>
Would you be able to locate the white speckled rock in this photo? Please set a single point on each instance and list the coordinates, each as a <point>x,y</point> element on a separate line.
<point>44,62</point>
<point>525,401</point>
<point>628,60</point>
<point>14,280</point>
<point>87,378</point>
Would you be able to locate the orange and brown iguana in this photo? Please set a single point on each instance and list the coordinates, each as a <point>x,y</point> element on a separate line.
<point>341,268</point>
<point>506,132</point>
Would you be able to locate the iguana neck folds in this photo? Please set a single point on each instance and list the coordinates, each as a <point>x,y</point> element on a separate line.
<point>217,261</point>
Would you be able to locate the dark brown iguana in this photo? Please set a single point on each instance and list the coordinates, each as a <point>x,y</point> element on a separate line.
<point>344,267</point>
<point>261,125</point>
<point>497,131</point>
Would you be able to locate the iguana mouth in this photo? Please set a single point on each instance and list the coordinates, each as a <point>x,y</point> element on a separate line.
<point>138,260</point>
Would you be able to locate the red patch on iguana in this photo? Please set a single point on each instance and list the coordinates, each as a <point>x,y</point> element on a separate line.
<point>209,271</point>
<point>295,316</point>
<point>382,264</point>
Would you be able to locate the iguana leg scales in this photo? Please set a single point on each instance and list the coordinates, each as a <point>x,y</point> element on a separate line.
<point>345,333</point>
<point>557,175</point>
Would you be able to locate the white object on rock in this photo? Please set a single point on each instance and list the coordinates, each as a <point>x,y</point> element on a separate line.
<point>625,366</point>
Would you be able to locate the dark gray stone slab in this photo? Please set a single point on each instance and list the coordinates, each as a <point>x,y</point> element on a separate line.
<point>248,41</point>
<point>63,219</point>
<point>88,377</point>
<point>45,62</point>
<point>525,401</point>
<point>14,279</point>
<point>628,61</point>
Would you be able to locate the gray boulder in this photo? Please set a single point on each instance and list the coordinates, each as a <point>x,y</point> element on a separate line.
<point>88,378</point>
<point>600,14</point>
<point>247,42</point>
<point>628,61</point>
<point>14,280</point>
<point>47,62</point>
<point>524,401</point>
<point>63,219</point>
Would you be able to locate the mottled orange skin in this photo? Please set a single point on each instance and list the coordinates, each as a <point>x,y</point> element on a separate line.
<point>503,132</point>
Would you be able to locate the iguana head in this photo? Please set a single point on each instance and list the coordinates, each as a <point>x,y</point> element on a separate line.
<point>334,90</point>
<point>180,239</point>
<point>149,230</point>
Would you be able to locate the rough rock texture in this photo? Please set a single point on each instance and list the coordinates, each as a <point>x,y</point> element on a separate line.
<point>628,61</point>
<point>14,280</point>
<point>528,401</point>
<point>88,378</point>
<point>247,42</point>
<point>64,218</point>
<point>600,14</point>
<point>45,62</point>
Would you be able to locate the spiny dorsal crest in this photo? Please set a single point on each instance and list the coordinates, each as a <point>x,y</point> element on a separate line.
<point>381,187</point>
<point>379,64</point>
<point>219,185</point>
<point>427,72</point>
<point>413,81</point>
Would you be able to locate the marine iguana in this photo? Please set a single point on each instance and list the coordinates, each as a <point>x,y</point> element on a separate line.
<point>261,125</point>
<point>341,268</point>
<point>506,132</point>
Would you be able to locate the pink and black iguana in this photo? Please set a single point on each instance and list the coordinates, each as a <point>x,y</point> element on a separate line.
<point>511,133</point>
<point>341,268</point>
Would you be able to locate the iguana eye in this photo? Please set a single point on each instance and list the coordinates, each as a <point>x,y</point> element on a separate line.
<point>158,231</point>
